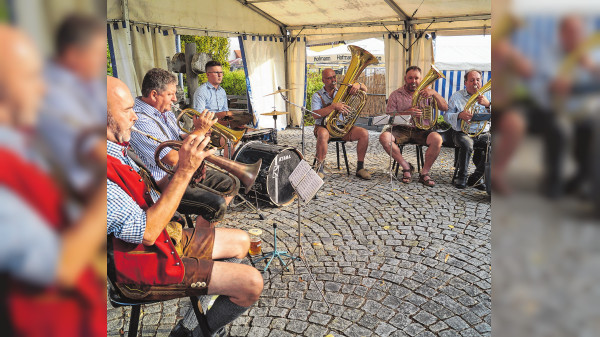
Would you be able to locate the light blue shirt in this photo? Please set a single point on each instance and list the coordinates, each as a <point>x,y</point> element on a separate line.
<point>456,105</point>
<point>320,100</point>
<point>70,107</point>
<point>30,249</point>
<point>124,217</point>
<point>211,98</point>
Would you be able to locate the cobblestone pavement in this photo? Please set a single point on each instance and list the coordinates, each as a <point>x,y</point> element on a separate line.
<point>407,261</point>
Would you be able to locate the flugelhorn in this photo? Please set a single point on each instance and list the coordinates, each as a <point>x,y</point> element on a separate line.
<point>232,135</point>
<point>246,173</point>
<point>474,109</point>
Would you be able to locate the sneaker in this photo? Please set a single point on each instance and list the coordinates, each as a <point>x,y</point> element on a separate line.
<point>363,174</point>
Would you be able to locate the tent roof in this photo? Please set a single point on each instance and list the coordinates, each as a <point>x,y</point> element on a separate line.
<point>316,20</point>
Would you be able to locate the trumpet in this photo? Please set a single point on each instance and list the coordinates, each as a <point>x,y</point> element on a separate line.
<point>246,173</point>
<point>232,135</point>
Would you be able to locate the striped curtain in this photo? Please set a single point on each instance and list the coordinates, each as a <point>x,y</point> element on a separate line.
<point>454,81</point>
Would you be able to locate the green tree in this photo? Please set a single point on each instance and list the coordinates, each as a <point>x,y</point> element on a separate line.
<point>313,84</point>
<point>234,82</point>
<point>216,47</point>
<point>109,70</point>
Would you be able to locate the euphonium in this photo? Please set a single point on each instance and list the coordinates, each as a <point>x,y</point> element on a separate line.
<point>473,108</point>
<point>336,127</point>
<point>428,105</point>
<point>246,173</point>
<point>232,135</point>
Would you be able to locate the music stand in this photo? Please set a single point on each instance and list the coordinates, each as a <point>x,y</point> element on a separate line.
<point>306,182</point>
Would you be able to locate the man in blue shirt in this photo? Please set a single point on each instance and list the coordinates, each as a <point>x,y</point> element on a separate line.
<point>455,115</point>
<point>322,104</point>
<point>212,96</point>
<point>156,119</point>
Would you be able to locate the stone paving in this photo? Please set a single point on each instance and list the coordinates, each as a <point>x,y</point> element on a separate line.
<point>403,261</point>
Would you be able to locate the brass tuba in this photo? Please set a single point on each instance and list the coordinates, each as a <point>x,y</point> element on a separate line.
<point>336,127</point>
<point>474,108</point>
<point>232,135</point>
<point>246,173</point>
<point>428,105</point>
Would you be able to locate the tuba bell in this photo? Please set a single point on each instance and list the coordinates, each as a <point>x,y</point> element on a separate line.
<point>428,105</point>
<point>232,135</point>
<point>474,108</point>
<point>337,127</point>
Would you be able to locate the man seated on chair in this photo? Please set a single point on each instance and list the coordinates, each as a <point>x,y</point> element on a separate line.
<point>155,118</point>
<point>467,145</point>
<point>400,103</point>
<point>146,261</point>
<point>212,96</point>
<point>322,104</point>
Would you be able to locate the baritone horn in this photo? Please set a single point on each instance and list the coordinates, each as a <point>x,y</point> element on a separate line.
<point>429,105</point>
<point>232,135</point>
<point>474,108</point>
<point>246,173</point>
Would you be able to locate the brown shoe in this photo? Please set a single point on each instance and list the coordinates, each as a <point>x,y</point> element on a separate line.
<point>363,174</point>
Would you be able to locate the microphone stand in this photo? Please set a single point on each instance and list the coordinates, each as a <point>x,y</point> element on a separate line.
<point>303,109</point>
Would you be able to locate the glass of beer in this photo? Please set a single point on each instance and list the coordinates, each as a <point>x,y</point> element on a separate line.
<point>255,241</point>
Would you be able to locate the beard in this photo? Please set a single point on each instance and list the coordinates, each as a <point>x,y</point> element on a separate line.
<point>121,136</point>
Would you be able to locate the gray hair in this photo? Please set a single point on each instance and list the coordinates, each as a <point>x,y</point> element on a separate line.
<point>470,71</point>
<point>157,79</point>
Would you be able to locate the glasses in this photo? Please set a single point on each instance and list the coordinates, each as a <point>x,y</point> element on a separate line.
<point>215,72</point>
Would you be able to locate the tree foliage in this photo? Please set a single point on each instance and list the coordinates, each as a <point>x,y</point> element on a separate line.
<point>234,82</point>
<point>216,47</point>
<point>313,84</point>
<point>109,70</point>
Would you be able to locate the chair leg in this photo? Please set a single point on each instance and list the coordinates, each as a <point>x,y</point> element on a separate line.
<point>337,151</point>
<point>134,320</point>
<point>456,149</point>
<point>345,158</point>
<point>420,161</point>
<point>202,322</point>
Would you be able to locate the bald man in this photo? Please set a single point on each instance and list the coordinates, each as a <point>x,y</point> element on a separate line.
<point>43,250</point>
<point>322,105</point>
<point>184,265</point>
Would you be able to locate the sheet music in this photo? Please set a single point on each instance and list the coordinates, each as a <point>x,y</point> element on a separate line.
<point>305,181</point>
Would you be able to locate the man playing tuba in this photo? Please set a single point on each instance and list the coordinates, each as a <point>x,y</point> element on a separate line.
<point>400,104</point>
<point>456,114</point>
<point>155,118</point>
<point>322,104</point>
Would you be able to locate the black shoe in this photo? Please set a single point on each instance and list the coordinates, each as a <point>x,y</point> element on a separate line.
<point>475,178</point>
<point>461,182</point>
<point>180,331</point>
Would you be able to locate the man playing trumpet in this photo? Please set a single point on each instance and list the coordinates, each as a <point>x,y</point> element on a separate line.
<point>155,118</point>
<point>148,258</point>
<point>400,104</point>
<point>322,105</point>
<point>456,114</point>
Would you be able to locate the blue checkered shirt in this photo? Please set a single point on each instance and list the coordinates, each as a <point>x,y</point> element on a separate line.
<point>211,98</point>
<point>124,217</point>
<point>163,126</point>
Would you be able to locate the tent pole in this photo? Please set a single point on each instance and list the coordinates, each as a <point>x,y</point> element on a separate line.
<point>191,77</point>
<point>286,41</point>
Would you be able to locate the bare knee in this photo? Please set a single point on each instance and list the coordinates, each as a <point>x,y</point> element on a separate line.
<point>255,286</point>
<point>434,140</point>
<point>385,138</point>
<point>242,241</point>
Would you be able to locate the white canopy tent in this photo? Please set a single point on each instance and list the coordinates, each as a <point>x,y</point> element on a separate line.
<point>274,34</point>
